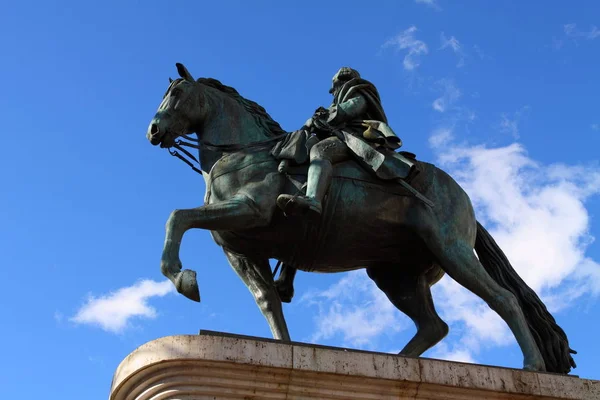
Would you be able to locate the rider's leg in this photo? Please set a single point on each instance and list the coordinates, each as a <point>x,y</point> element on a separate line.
<point>322,157</point>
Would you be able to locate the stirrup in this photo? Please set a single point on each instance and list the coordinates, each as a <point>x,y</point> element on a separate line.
<point>299,205</point>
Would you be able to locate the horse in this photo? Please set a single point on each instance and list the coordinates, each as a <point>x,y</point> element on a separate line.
<point>405,246</point>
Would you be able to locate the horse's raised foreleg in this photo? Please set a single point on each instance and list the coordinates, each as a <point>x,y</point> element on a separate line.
<point>257,276</point>
<point>234,214</point>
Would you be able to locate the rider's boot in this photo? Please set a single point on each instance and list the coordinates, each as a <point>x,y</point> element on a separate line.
<point>320,173</point>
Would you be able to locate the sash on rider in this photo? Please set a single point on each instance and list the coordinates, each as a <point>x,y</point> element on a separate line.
<point>386,165</point>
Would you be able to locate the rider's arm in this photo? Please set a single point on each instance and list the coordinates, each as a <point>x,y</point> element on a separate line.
<point>319,112</point>
<point>348,110</point>
<point>308,124</point>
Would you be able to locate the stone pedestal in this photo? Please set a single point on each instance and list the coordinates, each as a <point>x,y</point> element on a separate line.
<point>220,366</point>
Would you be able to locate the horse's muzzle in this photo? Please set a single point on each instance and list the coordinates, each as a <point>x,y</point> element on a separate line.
<point>154,134</point>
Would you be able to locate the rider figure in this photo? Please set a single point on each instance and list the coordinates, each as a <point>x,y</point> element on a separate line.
<point>354,125</point>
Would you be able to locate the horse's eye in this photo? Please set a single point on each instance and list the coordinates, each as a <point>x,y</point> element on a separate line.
<point>175,92</point>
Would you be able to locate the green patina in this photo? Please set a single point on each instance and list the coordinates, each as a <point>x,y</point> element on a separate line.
<point>364,216</point>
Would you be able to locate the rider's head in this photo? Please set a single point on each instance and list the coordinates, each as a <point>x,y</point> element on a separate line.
<point>342,76</point>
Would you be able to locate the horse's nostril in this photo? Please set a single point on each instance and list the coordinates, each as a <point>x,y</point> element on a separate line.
<point>154,129</point>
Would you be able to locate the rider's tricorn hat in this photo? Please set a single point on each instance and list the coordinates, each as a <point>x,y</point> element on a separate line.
<point>344,74</point>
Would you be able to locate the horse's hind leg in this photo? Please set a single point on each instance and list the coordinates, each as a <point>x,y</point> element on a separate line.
<point>457,258</point>
<point>410,293</point>
<point>257,276</point>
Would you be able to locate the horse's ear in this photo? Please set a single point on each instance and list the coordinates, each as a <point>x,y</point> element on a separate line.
<point>184,73</point>
<point>170,80</point>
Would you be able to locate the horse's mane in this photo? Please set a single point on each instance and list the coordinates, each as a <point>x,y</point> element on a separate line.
<point>262,118</point>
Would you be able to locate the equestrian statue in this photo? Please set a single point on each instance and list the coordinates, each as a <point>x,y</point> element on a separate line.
<point>337,195</point>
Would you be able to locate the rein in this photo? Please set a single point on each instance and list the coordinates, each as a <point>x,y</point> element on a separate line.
<point>225,148</point>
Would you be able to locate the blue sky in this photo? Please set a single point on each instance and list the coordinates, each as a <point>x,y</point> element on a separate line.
<point>503,95</point>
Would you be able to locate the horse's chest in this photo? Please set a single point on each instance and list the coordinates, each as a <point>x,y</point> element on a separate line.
<point>247,174</point>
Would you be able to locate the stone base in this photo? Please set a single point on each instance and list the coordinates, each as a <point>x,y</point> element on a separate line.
<point>220,366</point>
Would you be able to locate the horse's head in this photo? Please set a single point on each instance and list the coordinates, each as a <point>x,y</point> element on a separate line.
<point>180,111</point>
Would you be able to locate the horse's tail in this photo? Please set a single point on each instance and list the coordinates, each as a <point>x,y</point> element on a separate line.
<point>549,337</point>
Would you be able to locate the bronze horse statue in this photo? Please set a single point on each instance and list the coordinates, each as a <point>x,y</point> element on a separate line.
<point>405,245</point>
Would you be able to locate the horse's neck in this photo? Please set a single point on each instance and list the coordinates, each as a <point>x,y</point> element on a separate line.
<point>228,122</point>
<point>208,158</point>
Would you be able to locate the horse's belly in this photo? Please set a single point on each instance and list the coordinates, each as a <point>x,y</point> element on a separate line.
<point>362,226</point>
<point>361,249</point>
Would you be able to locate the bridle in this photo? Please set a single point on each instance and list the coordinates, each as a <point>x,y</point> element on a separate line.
<point>195,143</point>
<point>224,148</point>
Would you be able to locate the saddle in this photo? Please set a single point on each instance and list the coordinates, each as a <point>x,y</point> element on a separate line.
<point>385,166</point>
<point>297,171</point>
<point>294,151</point>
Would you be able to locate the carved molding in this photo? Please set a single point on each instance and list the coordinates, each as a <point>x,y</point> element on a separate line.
<point>217,366</point>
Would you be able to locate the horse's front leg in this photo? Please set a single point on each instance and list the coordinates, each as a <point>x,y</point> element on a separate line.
<point>256,274</point>
<point>233,214</point>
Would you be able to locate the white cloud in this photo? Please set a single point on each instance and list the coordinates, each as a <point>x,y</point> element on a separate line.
<point>569,29</point>
<point>537,215</point>
<point>509,126</point>
<point>443,352</point>
<point>572,33</point>
<point>473,324</point>
<point>354,310</point>
<point>450,94</point>
<point>440,138</point>
<point>453,44</point>
<point>430,3</point>
<point>463,356</point>
<point>510,123</point>
<point>406,41</point>
<point>112,312</point>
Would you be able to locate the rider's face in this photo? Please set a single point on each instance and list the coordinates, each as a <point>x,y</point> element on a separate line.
<point>336,88</point>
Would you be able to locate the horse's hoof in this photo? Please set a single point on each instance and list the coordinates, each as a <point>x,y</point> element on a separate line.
<point>285,293</point>
<point>286,297</point>
<point>187,285</point>
<point>539,366</point>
